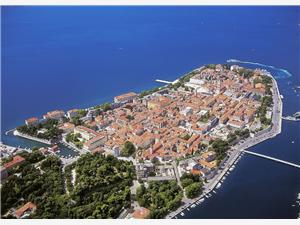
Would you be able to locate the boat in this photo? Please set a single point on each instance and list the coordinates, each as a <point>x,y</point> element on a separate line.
<point>293,142</point>
<point>188,208</point>
<point>193,206</point>
<point>182,214</point>
<point>214,192</point>
<point>219,185</point>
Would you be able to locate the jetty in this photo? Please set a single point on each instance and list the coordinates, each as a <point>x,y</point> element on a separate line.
<point>167,82</point>
<point>272,158</point>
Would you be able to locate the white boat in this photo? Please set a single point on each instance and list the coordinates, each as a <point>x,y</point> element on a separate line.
<point>193,206</point>
<point>188,208</point>
<point>214,192</point>
<point>293,142</point>
<point>182,214</point>
<point>219,185</point>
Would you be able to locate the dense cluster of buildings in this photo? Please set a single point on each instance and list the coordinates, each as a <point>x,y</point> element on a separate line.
<point>170,124</point>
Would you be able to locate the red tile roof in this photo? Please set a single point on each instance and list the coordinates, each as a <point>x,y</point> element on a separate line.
<point>16,160</point>
<point>141,213</point>
<point>24,208</point>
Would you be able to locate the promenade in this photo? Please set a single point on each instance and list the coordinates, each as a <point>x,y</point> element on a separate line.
<point>44,141</point>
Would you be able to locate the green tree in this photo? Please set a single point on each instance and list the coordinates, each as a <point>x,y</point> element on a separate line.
<point>128,149</point>
<point>193,190</point>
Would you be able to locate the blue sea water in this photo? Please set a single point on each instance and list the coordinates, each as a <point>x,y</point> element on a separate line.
<point>70,57</point>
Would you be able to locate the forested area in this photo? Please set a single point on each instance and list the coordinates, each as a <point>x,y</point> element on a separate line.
<point>101,189</point>
<point>161,197</point>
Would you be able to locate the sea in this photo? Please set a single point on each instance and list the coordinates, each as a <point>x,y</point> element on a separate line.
<point>64,57</point>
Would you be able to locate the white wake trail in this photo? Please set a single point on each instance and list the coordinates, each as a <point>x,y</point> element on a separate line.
<point>284,71</point>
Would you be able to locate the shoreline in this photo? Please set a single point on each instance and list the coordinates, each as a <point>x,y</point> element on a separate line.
<point>237,150</point>
<point>43,141</point>
<point>233,157</point>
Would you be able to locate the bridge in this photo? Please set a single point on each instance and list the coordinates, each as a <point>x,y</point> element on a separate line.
<point>272,158</point>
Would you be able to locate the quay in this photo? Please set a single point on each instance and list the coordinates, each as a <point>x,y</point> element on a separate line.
<point>272,158</point>
<point>17,133</point>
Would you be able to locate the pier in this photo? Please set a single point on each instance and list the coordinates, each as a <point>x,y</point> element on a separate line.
<point>163,81</point>
<point>272,158</point>
<point>167,82</point>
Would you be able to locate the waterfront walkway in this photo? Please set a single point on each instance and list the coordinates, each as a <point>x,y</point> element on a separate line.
<point>272,158</point>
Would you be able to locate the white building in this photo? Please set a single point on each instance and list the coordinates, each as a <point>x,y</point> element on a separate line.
<point>187,111</point>
<point>72,113</point>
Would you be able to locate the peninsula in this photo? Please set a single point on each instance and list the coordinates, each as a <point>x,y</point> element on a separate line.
<point>147,155</point>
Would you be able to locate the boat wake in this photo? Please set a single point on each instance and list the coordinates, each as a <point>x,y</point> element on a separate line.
<point>279,73</point>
